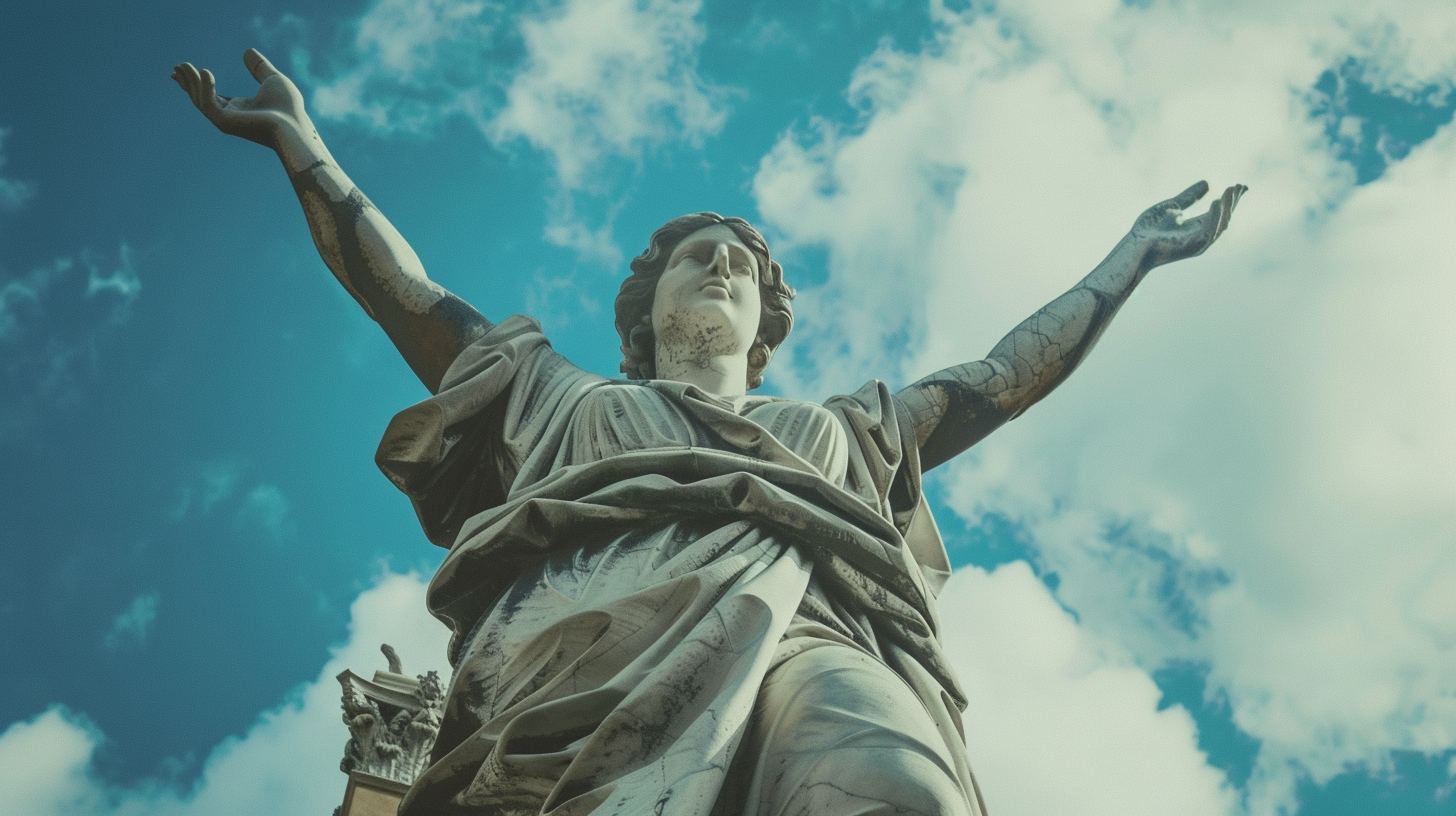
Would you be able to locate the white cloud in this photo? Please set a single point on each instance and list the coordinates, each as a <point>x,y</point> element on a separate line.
<point>286,763</point>
<point>1251,471</point>
<point>13,192</point>
<point>414,64</point>
<point>596,81</point>
<point>588,243</point>
<point>132,625</point>
<point>558,301</point>
<point>607,78</point>
<point>43,764</point>
<point>591,84</point>
<point>122,281</point>
<point>1056,726</point>
<point>52,325</point>
<point>21,295</point>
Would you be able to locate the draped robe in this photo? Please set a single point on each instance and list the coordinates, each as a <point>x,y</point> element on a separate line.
<point>628,561</point>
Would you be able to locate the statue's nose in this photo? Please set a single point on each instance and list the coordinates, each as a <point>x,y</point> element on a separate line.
<point>720,265</point>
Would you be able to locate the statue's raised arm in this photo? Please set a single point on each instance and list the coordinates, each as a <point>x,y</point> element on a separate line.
<point>954,408</point>
<point>370,258</point>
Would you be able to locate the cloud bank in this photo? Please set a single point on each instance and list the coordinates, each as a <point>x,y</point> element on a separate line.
<point>1250,473</point>
<point>593,80</point>
<point>1055,725</point>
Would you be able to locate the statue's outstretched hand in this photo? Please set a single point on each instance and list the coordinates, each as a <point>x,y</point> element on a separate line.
<point>1171,239</point>
<point>276,108</point>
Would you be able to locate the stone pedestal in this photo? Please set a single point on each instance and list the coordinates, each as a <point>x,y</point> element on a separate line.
<point>393,720</point>
<point>369,795</point>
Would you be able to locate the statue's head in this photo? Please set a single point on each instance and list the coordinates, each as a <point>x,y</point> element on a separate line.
<point>667,290</point>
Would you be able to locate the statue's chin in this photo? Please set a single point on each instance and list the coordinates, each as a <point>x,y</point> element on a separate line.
<point>700,332</point>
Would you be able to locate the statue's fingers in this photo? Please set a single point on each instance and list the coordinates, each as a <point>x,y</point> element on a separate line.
<point>186,76</point>
<point>203,96</point>
<point>1189,197</point>
<point>258,65</point>
<point>1218,217</point>
<point>207,97</point>
<point>1238,191</point>
<point>208,89</point>
<point>1225,209</point>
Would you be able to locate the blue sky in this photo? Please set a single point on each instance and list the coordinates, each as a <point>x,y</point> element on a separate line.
<point>1214,573</point>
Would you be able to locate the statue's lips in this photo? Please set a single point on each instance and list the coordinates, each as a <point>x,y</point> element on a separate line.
<point>716,285</point>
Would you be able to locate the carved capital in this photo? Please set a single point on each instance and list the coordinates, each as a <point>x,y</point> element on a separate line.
<point>393,720</point>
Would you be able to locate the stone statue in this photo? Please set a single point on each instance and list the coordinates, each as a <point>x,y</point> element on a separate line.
<point>668,595</point>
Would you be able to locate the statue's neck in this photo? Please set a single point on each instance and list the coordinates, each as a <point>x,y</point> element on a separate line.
<point>721,375</point>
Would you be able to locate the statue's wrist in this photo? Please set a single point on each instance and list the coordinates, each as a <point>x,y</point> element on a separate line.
<point>298,145</point>
<point>1138,253</point>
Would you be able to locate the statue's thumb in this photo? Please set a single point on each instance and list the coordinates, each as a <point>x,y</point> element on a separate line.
<point>258,65</point>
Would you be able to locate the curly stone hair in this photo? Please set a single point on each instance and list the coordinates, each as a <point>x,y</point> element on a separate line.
<point>634,301</point>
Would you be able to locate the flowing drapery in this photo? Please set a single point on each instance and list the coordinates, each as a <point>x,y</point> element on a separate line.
<point>630,560</point>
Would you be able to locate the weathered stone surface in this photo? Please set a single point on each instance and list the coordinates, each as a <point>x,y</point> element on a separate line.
<point>393,720</point>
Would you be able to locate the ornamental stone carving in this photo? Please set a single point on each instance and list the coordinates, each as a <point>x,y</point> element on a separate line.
<point>393,720</point>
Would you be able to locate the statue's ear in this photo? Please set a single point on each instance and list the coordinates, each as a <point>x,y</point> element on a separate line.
<point>641,351</point>
<point>642,335</point>
<point>758,356</point>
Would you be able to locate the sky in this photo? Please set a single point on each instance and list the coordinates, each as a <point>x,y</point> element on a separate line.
<point>1215,573</point>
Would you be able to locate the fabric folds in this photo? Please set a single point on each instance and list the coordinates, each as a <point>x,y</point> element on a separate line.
<point>627,562</point>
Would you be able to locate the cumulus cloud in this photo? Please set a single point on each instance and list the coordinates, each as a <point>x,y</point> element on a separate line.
<point>590,84</point>
<point>45,763</point>
<point>132,625</point>
<point>412,65</point>
<point>1251,470</point>
<point>286,763</point>
<point>594,80</point>
<point>1040,686</point>
<point>608,79</point>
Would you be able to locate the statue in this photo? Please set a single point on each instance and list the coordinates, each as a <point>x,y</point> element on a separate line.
<point>669,595</point>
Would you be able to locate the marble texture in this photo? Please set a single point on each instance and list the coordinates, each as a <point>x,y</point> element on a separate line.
<point>660,556</point>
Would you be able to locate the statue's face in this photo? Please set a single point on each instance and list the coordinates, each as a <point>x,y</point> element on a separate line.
<point>708,301</point>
